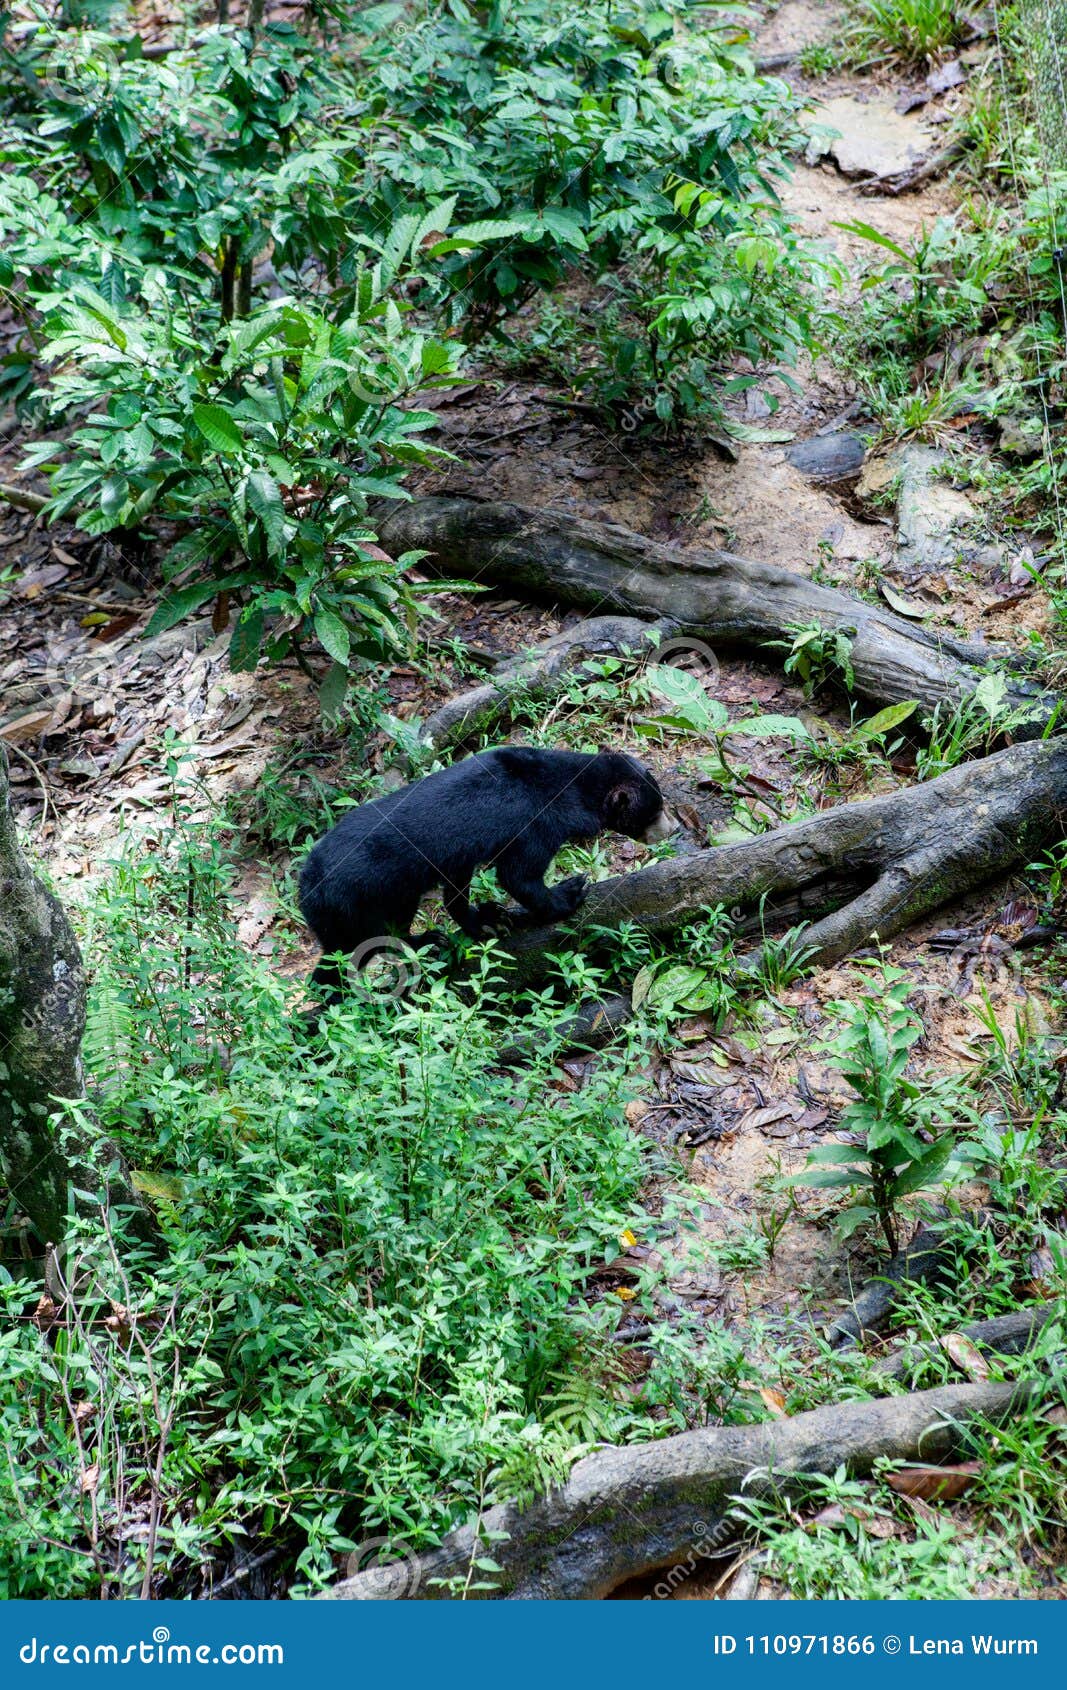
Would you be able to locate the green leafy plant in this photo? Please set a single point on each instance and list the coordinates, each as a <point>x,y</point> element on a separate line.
<point>962,728</point>
<point>905,31</point>
<point>905,1141</point>
<point>375,1299</point>
<point>818,656</point>
<point>265,450</point>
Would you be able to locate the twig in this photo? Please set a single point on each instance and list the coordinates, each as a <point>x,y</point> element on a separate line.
<point>46,793</point>
<point>21,498</point>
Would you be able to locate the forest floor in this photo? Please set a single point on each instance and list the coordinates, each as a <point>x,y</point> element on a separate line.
<point>87,702</point>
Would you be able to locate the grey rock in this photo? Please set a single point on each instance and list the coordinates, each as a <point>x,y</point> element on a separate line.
<point>829,457</point>
<point>934,520</point>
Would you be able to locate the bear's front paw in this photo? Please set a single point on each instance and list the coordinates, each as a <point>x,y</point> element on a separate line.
<point>567,896</point>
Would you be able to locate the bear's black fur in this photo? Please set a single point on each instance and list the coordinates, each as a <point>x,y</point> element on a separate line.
<point>511,809</point>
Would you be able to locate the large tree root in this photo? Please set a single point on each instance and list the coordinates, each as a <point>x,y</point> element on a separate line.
<point>897,858</point>
<point>539,674</point>
<point>728,600</point>
<point>1004,1334</point>
<point>923,1260</point>
<point>634,1510</point>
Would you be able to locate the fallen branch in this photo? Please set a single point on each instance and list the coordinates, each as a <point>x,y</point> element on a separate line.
<point>729,600</point>
<point>21,498</point>
<point>861,871</point>
<point>538,674</point>
<point>628,1511</point>
<point>915,175</point>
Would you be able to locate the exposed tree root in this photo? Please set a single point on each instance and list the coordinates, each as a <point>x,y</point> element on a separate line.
<point>921,1261</point>
<point>538,674</point>
<point>916,175</point>
<point>629,1511</point>
<point>1005,1334</point>
<point>728,600</point>
<point>907,853</point>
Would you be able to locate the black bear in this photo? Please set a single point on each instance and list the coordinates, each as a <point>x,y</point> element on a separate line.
<point>512,809</point>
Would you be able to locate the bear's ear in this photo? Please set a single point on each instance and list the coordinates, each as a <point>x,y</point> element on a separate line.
<point>620,805</point>
<point>520,760</point>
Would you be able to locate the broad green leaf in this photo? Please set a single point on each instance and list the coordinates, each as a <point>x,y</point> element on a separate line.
<point>218,428</point>
<point>836,1153</point>
<point>642,982</point>
<point>333,636</point>
<point>831,1179</point>
<point>991,693</point>
<point>246,639</point>
<point>772,727</point>
<point>332,691</point>
<point>263,498</point>
<point>866,233</point>
<point>177,604</point>
<point>690,702</point>
<point>884,722</point>
<point>675,984</point>
<point>926,1171</point>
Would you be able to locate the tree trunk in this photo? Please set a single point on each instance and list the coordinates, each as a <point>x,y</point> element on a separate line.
<point>42,1019</point>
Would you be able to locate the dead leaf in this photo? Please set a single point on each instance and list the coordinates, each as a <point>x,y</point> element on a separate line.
<point>811,1119</point>
<point>946,76</point>
<point>902,606</point>
<point>935,1484</point>
<point>832,1515</point>
<point>115,627</point>
<point>27,727</point>
<point>89,1480</point>
<point>966,1356</point>
<point>767,1116</point>
<point>37,581</point>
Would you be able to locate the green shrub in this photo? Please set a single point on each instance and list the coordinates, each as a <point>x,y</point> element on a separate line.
<point>375,1310</point>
